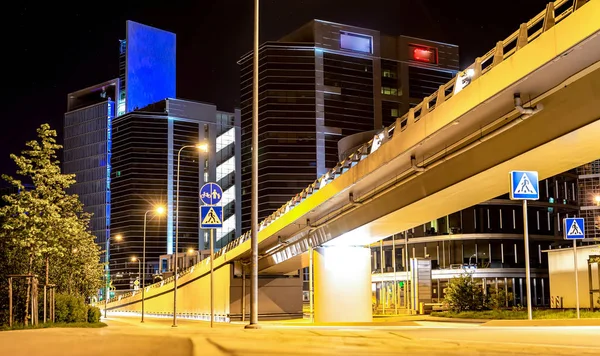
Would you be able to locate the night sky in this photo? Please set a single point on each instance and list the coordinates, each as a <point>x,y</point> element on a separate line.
<point>53,48</point>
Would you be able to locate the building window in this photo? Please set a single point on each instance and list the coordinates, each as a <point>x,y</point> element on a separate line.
<point>387,73</point>
<point>390,91</point>
<point>356,42</point>
<point>394,112</point>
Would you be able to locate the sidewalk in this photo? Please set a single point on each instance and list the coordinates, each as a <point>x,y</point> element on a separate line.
<point>543,322</point>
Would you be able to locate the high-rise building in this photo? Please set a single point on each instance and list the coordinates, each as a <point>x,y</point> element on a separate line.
<point>87,151</point>
<point>119,185</point>
<point>323,82</point>
<point>146,143</point>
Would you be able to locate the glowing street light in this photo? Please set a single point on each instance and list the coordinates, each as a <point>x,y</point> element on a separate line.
<point>118,238</point>
<point>190,251</point>
<point>202,147</point>
<point>597,199</point>
<point>158,210</point>
<point>135,259</point>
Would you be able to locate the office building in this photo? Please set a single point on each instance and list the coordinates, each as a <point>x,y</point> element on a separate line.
<point>138,111</point>
<point>87,151</point>
<point>487,241</point>
<point>589,198</point>
<point>145,145</point>
<point>323,82</point>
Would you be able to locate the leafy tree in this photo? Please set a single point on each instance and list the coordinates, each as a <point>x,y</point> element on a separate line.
<point>48,223</point>
<point>464,294</point>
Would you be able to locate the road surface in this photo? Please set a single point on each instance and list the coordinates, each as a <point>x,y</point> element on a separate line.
<point>127,336</point>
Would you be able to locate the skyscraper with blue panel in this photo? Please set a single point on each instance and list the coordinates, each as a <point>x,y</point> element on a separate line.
<point>147,75</point>
<point>148,67</point>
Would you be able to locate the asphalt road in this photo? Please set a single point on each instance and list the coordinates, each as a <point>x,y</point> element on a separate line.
<point>127,336</point>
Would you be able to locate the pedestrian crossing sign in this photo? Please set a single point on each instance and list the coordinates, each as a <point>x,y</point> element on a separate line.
<point>574,228</point>
<point>524,185</point>
<point>211,217</point>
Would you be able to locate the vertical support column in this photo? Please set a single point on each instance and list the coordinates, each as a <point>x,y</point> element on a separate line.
<point>10,299</point>
<point>342,283</point>
<point>243,292</point>
<point>311,290</point>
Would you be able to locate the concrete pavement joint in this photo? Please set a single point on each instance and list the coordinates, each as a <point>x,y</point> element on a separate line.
<point>401,336</point>
<point>221,347</point>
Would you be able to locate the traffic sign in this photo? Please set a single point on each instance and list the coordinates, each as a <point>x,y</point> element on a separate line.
<point>211,193</point>
<point>211,216</point>
<point>524,185</point>
<point>574,228</point>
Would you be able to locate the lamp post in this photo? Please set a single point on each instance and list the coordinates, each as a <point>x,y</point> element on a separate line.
<point>159,210</point>
<point>254,196</point>
<point>203,147</point>
<point>118,238</point>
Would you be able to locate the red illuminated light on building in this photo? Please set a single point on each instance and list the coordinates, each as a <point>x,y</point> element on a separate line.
<point>424,54</point>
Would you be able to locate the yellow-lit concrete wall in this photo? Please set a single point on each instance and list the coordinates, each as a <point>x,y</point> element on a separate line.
<point>278,298</point>
<point>193,295</point>
<point>561,268</point>
<point>342,284</point>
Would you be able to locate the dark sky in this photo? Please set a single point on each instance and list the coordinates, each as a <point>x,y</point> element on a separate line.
<point>56,47</point>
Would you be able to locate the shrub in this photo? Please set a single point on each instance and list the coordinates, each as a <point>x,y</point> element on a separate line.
<point>93,314</point>
<point>464,294</point>
<point>497,299</point>
<point>70,309</point>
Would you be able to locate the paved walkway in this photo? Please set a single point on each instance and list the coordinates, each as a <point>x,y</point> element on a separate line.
<point>127,336</point>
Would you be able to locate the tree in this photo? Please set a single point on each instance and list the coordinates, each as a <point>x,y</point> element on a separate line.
<point>464,294</point>
<point>48,223</point>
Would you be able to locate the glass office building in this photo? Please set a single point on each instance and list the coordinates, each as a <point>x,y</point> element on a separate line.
<point>146,143</point>
<point>322,82</point>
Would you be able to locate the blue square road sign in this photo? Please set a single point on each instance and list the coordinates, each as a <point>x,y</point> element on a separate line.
<point>574,228</point>
<point>211,217</point>
<point>524,185</point>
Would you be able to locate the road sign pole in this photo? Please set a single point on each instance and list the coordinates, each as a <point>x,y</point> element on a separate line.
<point>212,279</point>
<point>576,277</point>
<point>527,268</point>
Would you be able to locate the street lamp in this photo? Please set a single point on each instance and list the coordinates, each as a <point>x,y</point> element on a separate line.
<point>597,199</point>
<point>135,259</point>
<point>118,238</point>
<point>159,210</point>
<point>254,185</point>
<point>202,147</point>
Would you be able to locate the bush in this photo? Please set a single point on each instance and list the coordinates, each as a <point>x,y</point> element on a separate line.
<point>464,294</point>
<point>70,309</point>
<point>497,299</point>
<point>93,314</point>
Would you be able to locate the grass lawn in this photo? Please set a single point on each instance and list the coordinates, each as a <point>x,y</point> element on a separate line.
<point>520,314</point>
<point>54,325</point>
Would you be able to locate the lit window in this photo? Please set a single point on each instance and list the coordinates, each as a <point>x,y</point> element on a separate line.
<point>423,54</point>
<point>388,73</point>
<point>394,112</point>
<point>356,42</point>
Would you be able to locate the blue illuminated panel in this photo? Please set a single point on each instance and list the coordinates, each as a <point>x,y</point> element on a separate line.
<point>150,65</point>
<point>356,42</point>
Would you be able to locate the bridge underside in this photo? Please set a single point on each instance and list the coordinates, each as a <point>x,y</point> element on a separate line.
<point>563,136</point>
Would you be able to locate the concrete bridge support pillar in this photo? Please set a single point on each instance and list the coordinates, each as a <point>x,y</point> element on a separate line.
<point>342,284</point>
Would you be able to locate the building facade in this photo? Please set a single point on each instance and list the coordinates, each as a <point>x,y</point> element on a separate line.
<point>87,152</point>
<point>486,241</point>
<point>146,143</point>
<point>323,82</point>
<point>589,198</point>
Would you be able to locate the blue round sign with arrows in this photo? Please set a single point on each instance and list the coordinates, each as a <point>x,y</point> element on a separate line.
<point>211,194</point>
